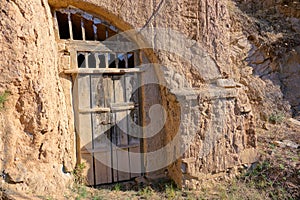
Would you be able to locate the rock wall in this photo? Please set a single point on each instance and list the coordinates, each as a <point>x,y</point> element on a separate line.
<point>268,47</point>
<point>38,147</point>
<point>34,127</point>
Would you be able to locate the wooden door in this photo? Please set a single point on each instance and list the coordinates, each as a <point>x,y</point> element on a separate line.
<point>106,101</point>
<point>108,115</point>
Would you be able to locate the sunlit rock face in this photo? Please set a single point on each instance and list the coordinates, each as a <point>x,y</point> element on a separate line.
<point>214,88</point>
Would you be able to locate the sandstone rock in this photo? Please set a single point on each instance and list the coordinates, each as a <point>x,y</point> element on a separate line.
<point>38,125</point>
<point>226,83</point>
<point>287,143</point>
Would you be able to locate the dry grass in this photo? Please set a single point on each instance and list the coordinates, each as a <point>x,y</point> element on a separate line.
<point>275,176</point>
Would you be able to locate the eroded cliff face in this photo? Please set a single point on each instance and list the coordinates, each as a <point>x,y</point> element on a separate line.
<point>34,127</point>
<point>37,125</point>
<point>265,41</point>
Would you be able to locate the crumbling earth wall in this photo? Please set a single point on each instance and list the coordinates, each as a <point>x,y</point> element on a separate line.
<point>37,125</point>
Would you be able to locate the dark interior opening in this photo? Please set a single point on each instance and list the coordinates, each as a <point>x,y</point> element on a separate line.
<point>130,58</point>
<point>76,26</point>
<point>110,33</point>
<point>89,29</point>
<point>122,63</point>
<point>92,60</point>
<point>81,60</point>
<point>101,32</point>
<point>111,60</point>
<point>102,61</point>
<point>63,26</point>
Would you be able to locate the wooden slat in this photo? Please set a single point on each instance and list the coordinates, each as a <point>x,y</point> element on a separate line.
<point>70,26</point>
<point>73,61</point>
<point>97,59</point>
<point>141,118</point>
<point>85,125</point>
<point>93,110</point>
<point>82,29</point>
<point>76,118</point>
<point>104,46</point>
<point>122,107</point>
<point>57,35</point>
<point>131,95</point>
<point>104,149</point>
<point>135,161</point>
<point>108,96</point>
<point>100,132</point>
<point>86,60</point>
<point>122,129</point>
<point>103,71</point>
<point>106,61</point>
<point>123,165</point>
<point>95,29</point>
<point>103,172</point>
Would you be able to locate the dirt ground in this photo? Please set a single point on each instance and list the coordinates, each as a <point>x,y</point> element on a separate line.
<point>275,176</point>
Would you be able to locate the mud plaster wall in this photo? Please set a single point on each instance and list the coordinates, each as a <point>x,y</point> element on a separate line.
<point>37,125</point>
<point>36,149</point>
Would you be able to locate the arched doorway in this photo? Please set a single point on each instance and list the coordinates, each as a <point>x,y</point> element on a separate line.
<point>106,96</point>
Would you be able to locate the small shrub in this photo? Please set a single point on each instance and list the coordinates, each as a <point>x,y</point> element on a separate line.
<point>3,98</point>
<point>78,173</point>
<point>82,192</point>
<point>117,187</point>
<point>276,118</point>
<point>145,192</point>
<point>170,191</point>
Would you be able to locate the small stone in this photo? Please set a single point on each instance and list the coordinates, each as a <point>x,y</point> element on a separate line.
<point>226,83</point>
<point>290,144</point>
<point>265,126</point>
<point>287,143</point>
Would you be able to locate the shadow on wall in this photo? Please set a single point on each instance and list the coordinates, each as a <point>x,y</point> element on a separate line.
<point>275,35</point>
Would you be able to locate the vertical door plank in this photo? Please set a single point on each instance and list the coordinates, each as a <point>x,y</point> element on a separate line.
<point>132,117</point>
<point>133,124</point>
<point>135,162</point>
<point>101,127</point>
<point>121,130</point>
<point>109,97</point>
<point>85,128</point>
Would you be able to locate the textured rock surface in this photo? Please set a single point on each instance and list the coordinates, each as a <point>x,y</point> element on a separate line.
<point>270,45</point>
<point>36,126</point>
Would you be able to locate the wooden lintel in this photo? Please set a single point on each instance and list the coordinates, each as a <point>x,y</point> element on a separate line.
<point>103,71</point>
<point>104,46</point>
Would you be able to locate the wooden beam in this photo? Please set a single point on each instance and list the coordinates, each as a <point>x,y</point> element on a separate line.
<point>104,46</point>
<point>92,110</point>
<point>97,150</point>
<point>121,108</point>
<point>103,71</point>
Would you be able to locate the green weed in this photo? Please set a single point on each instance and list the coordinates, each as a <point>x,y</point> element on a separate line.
<point>276,118</point>
<point>117,187</point>
<point>145,192</point>
<point>170,191</point>
<point>78,173</point>
<point>3,98</point>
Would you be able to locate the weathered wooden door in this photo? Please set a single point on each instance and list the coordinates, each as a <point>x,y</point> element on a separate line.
<point>108,118</point>
<point>106,97</point>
